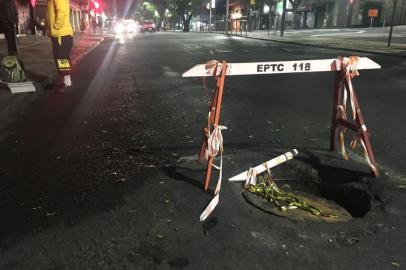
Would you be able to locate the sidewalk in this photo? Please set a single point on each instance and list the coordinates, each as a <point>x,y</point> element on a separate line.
<point>36,53</point>
<point>338,41</point>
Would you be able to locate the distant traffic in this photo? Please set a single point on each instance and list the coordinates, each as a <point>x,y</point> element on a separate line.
<point>132,27</point>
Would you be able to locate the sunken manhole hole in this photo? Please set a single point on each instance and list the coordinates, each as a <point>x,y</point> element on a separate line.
<point>335,202</point>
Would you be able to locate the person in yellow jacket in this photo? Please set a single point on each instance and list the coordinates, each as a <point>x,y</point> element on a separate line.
<point>61,32</point>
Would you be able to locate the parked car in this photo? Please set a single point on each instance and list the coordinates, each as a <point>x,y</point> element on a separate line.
<point>148,26</point>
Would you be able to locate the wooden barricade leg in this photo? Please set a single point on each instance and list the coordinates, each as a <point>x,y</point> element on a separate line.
<point>364,132</point>
<point>341,82</point>
<point>215,110</point>
<point>210,120</point>
<point>338,92</point>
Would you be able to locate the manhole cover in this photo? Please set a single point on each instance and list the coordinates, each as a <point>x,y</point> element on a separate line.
<point>343,201</point>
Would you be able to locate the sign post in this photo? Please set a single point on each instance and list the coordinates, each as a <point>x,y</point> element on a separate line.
<point>372,13</point>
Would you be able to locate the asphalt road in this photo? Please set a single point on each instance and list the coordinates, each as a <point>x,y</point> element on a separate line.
<point>89,179</point>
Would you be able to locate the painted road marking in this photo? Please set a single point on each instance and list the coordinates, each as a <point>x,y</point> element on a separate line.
<point>335,34</point>
<point>287,50</point>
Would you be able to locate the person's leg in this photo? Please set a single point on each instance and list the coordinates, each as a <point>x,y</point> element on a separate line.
<point>67,45</point>
<point>9,33</point>
<point>56,53</point>
<point>62,47</point>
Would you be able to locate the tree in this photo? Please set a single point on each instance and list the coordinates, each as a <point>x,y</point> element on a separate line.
<point>146,12</point>
<point>296,15</point>
<point>186,9</point>
<point>153,10</point>
<point>157,10</point>
<point>161,8</point>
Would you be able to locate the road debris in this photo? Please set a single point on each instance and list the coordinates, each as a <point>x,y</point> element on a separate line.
<point>264,166</point>
<point>401,186</point>
<point>283,200</point>
<point>395,264</point>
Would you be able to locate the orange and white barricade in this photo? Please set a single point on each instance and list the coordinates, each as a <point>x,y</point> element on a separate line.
<point>346,68</point>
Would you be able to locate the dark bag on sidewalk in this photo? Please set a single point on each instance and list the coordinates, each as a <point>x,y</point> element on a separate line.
<point>11,69</point>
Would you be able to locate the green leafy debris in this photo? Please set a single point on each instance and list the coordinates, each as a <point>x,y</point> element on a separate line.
<point>282,200</point>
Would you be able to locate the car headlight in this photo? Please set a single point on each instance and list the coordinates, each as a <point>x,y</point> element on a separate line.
<point>119,28</point>
<point>131,28</point>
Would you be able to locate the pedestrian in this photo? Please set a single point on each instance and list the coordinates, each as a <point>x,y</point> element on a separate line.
<point>100,25</point>
<point>83,25</point>
<point>94,25</point>
<point>61,33</point>
<point>8,21</point>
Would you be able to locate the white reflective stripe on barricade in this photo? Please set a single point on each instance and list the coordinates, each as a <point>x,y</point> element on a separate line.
<point>264,166</point>
<point>278,67</point>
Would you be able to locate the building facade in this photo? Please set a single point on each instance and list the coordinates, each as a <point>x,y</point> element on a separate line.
<point>349,13</point>
<point>82,13</point>
<point>264,14</point>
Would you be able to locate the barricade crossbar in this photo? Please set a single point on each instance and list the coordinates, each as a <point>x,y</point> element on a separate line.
<point>278,67</point>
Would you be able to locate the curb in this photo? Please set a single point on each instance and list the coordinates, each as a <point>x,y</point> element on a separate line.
<point>87,51</point>
<point>327,47</point>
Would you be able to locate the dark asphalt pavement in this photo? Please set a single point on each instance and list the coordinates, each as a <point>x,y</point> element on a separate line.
<point>89,179</point>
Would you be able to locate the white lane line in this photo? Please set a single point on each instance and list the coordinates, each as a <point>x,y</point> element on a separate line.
<point>287,50</point>
<point>335,34</point>
<point>223,51</point>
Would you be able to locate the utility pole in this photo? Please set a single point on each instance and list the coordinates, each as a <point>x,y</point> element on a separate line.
<point>226,19</point>
<point>283,18</point>
<point>210,17</point>
<point>88,16</point>
<point>174,15</point>
<point>32,19</point>
<point>391,22</point>
<point>348,18</point>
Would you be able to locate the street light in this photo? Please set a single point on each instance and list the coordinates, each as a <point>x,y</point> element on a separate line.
<point>266,9</point>
<point>266,12</point>
<point>209,8</point>
<point>212,5</point>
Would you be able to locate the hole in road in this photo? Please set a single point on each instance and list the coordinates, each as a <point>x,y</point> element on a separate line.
<point>354,199</point>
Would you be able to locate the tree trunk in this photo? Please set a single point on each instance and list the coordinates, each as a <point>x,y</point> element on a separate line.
<point>296,20</point>
<point>159,26</point>
<point>296,15</point>
<point>161,12</point>
<point>186,23</point>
